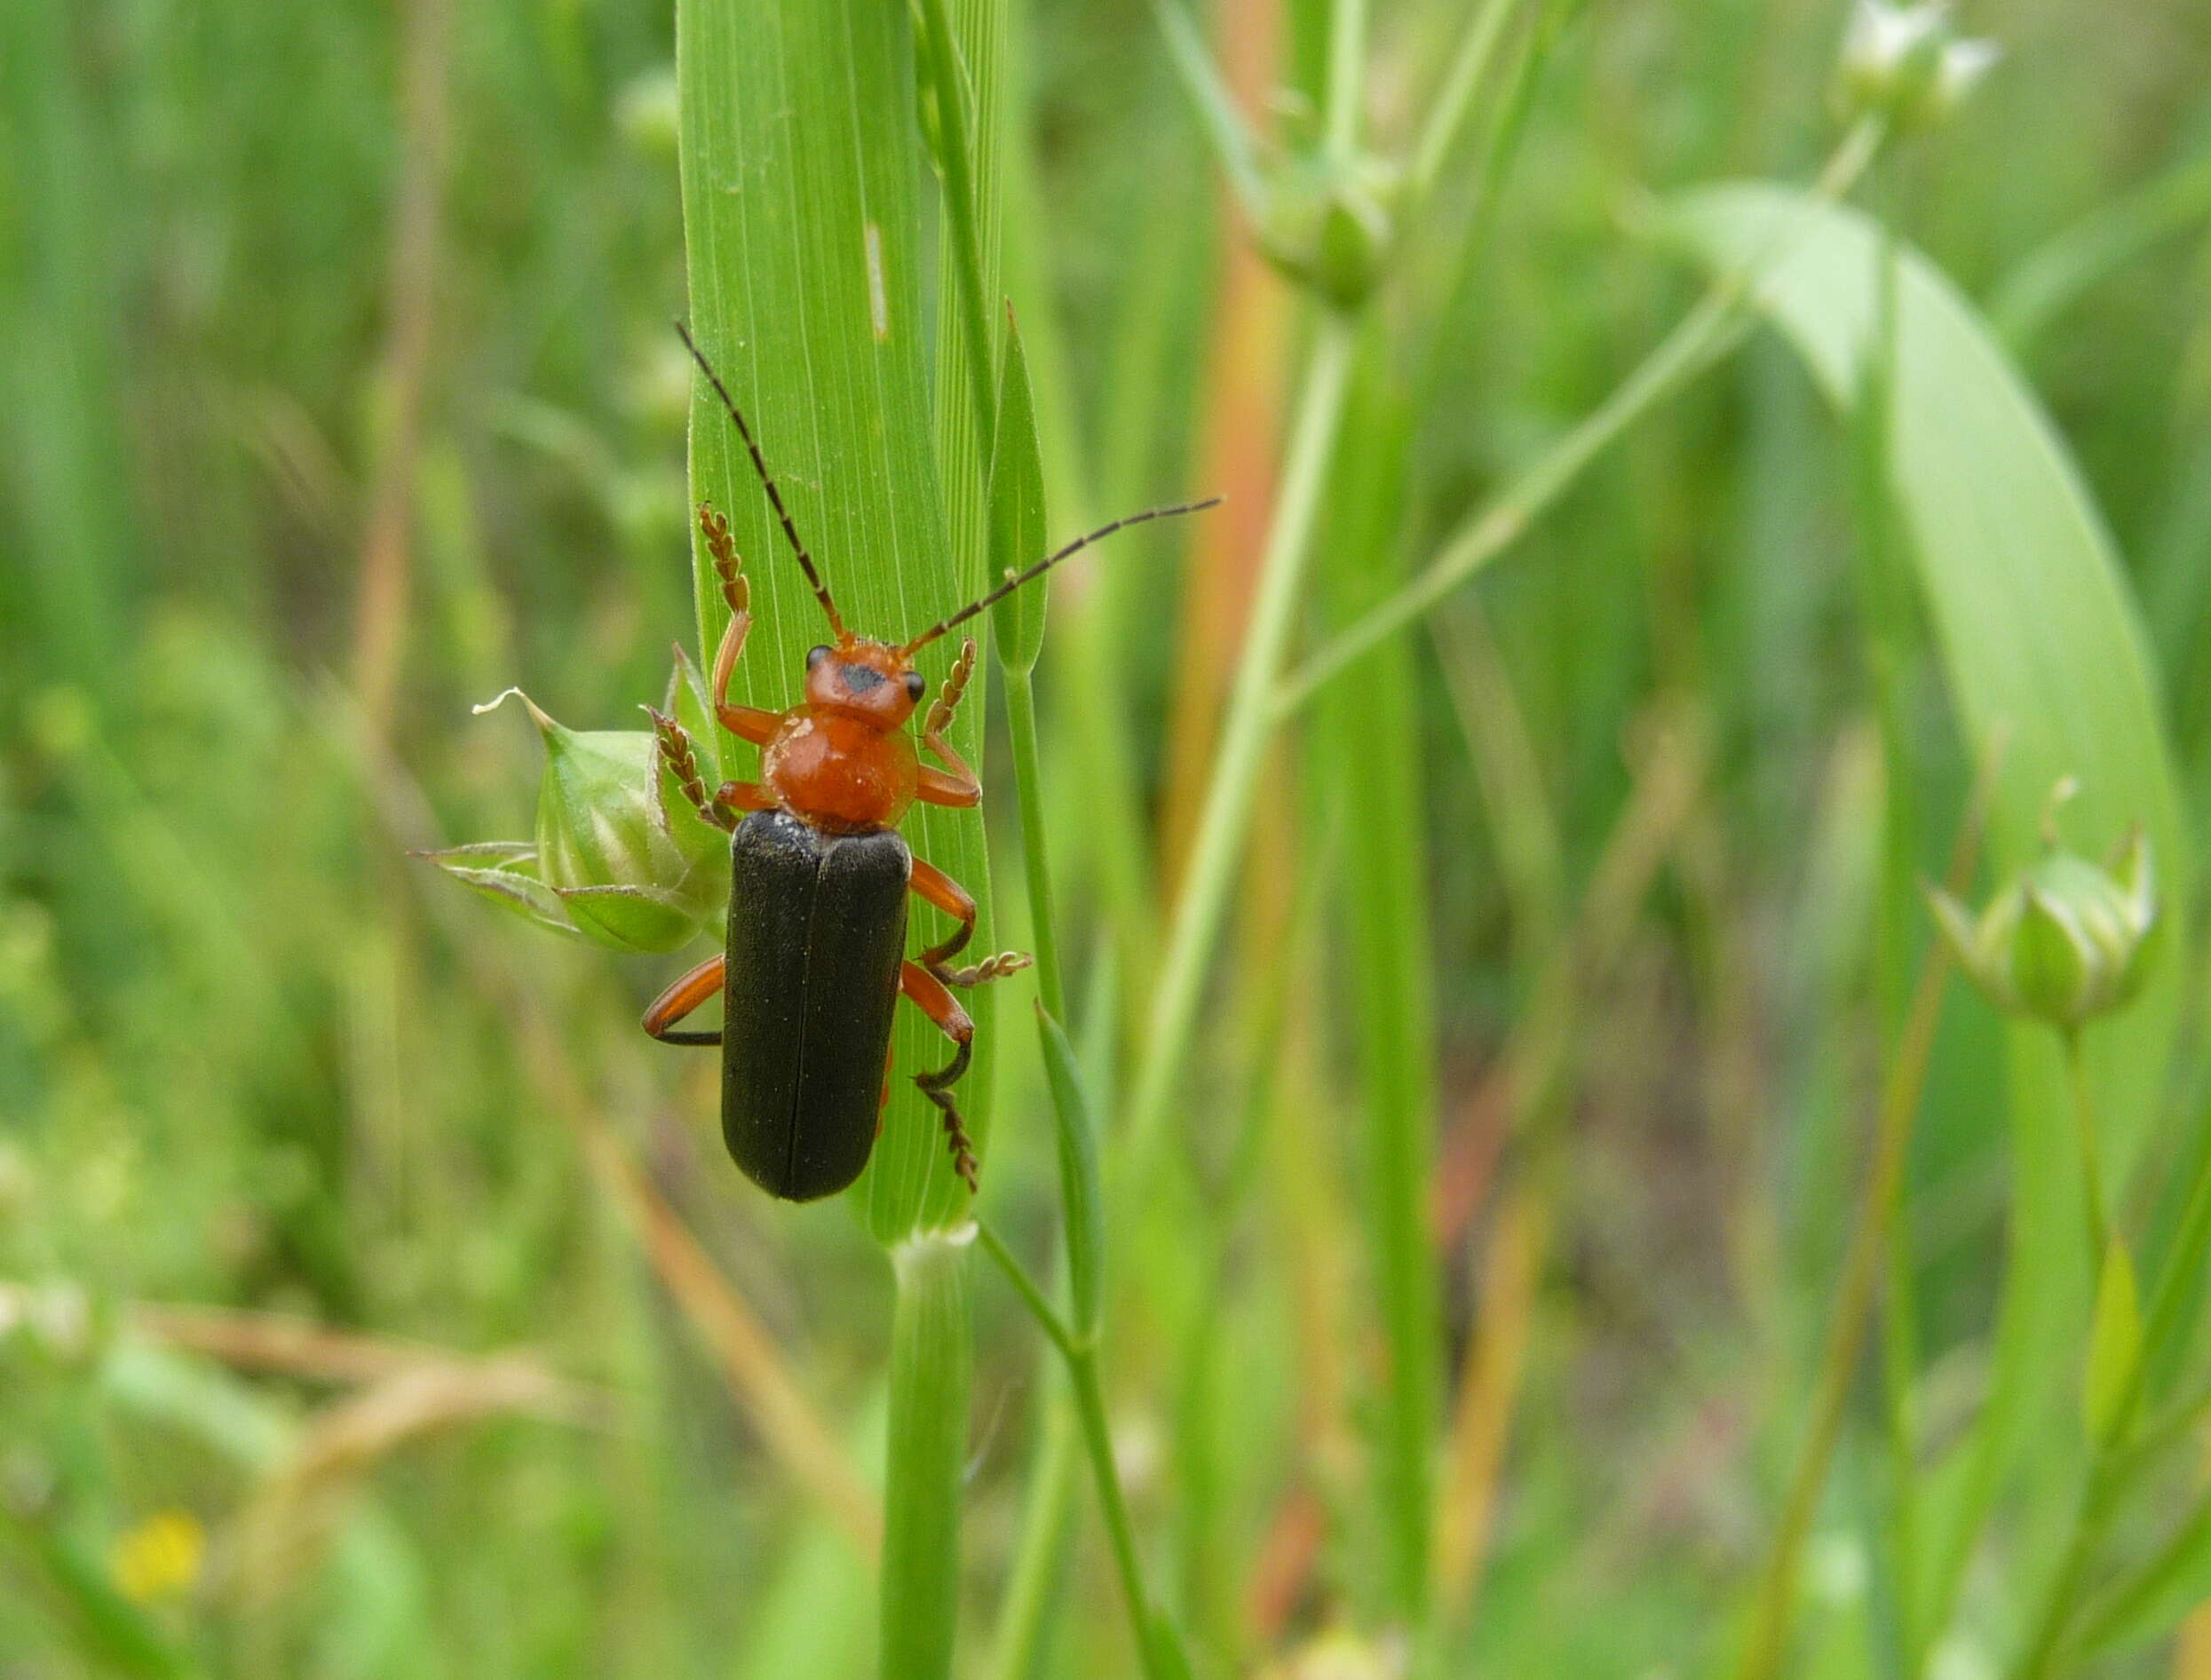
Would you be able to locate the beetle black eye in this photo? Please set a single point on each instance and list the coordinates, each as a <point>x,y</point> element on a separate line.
<point>917,685</point>
<point>815,655</point>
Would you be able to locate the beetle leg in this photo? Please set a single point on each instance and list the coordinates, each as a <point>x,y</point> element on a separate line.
<point>955,784</point>
<point>686,994</point>
<point>743,796</point>
<point>934,787</point>
<point>935,887</point>
<point>928,992</point>
<point>748,722</point>
<point>679,753</point>
<point>991,967</point>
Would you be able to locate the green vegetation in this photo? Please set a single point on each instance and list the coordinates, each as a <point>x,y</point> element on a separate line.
<point>1502,1165</point>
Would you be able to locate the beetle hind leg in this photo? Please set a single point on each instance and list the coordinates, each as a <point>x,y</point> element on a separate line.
<point>933,887</point>
<point>688,992</point>
<point>956,1136</point>
<point>991,967</point>
<point>928,992</point>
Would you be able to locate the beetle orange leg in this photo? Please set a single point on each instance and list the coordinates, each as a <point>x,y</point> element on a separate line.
<point>686,994</point>
<point>744,796</point>
<point>928,992</point>
<point>955,784</point>
<point>748,722</point>
<point>934,886</point>
<point>679,753</point>
<point>934,787</point>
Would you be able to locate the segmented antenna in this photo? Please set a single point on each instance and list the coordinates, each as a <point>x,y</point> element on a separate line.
<point>767,482</point>
<point>1015,579</point>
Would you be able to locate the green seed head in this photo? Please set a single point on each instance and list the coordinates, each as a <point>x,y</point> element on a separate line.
<point>2067,941</point>
<point>620,857</point>
<point>1331,225</point>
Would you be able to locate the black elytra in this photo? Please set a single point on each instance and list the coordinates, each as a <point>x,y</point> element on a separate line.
<point>817,928</point>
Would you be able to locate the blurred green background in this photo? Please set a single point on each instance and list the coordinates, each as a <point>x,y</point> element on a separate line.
<point>349,1325</point>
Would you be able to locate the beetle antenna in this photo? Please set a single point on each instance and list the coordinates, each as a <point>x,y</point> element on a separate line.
<point>1014,579</point>
<point>767,480</point>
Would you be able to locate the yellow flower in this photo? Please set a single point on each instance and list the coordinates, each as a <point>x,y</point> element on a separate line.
<point>160,1556</point>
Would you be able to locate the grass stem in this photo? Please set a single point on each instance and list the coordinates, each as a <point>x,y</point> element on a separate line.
<point>1712,327</point>
<point>926,1456</point>
<point>2081,1101</point>
<point>1225,821</point>
<point>1763,1654</point>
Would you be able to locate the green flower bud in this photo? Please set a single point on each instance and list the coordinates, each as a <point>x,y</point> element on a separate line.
<point>620,857</point>
<point>2067,941</point>
<point>1331,226</point>
<point>1906,64</point>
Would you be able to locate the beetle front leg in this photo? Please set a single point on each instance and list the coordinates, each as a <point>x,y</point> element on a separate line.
<point>747,723</point>
<point>679,1000</point>
<point>955,784</point>
<point>743,796</point>
<point>924,989</point>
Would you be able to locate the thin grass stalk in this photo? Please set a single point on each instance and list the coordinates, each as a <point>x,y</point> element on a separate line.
<point>1887,627</point>
<point>1767,1646</point>
<point>1034,1581</point>
<point>1020,691</point>
<point>1017,522</point>
<point>2121,1465</point>
<point>1226,819</point>
<point>1455,102</point>
<point>1712,327</point>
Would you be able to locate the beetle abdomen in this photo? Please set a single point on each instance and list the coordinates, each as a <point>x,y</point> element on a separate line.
<point>817,929</point>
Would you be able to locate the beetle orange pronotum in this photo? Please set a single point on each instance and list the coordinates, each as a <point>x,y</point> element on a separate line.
<point>813,962</point>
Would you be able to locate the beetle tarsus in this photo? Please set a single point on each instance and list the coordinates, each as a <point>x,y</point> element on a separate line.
<point>991,967</point>
<point>728,565</point>
<point>956,682</point>
<point>956,1140</point>
<point>957,784</point>
<point>936,1087</point>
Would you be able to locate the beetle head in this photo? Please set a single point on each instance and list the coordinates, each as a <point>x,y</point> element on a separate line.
<point>872,681</point>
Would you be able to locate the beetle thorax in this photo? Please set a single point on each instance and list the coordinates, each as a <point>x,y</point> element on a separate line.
<point>839,772</point>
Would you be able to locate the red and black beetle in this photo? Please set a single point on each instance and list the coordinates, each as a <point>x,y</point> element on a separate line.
<point>814,959</point>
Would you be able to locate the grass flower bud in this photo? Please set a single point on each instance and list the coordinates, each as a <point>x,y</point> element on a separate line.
<point>2066,942</point>
<point>617,860</point>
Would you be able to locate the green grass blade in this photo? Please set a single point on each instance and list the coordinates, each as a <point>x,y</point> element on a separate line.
<point>802,172</point>
<point>2050,279</point>
<point>2041,645</point>
<point>802,182</point>
<point>1017,515</point>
